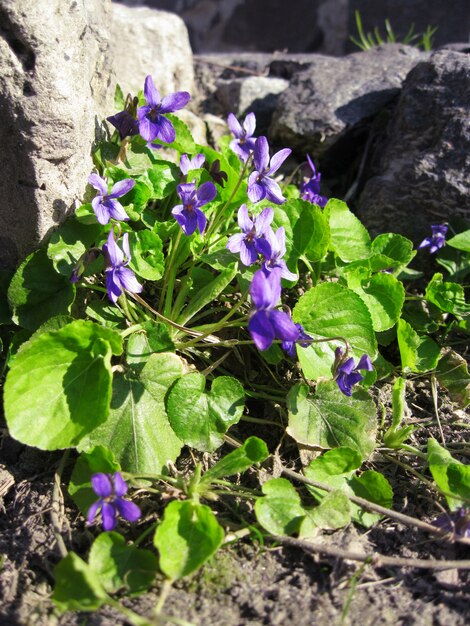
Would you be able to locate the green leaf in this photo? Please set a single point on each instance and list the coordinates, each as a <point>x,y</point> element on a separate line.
<point>395,247</point>
<point>452,373</point>
<point>334,511</point>
<point>330,310</point>
<point>99,459</point>
<point>73,367</point>
<point>154,337</point>
<point>119,566</point>
<point>372,486</point>
<point>384,296</point>
<point>231,166</point>
<point>208,294</point>
<point>336,468</point>
<point>69,242</point>
<point>163,177</point>
<point>201,419</point>
<point>252,451</point>
<point>147,259</point>
<point>280,511</point>
<point>38,292</point>
<point>448,297</point>
<point>329,419</point>
<point>460,241</point>
<point>119,100</point>
<point>105,313</point>
<point>77,587</point>
<point>418,354</point>
<point>449,474</point>
<point>188,535</point>
<point>184,141</point>
<point>349,239</point>
<point>137,430</point>
<point>307,230</point>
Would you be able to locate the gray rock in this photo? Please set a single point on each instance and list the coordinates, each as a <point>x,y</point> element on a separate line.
<point>54,81</point>
<point>258,94</point>
<point>146,41</point>
<point>421,174</point>
<point>334,96</point>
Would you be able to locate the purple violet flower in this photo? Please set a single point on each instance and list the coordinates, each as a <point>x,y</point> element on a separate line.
<point>125,124</point>
<point>260,185</point>
<point>195,163</point>
<point>277,249</point>
<point>303,340</point>
<point>152,123</point>
<point>310,188</point>
<point>244,142</point>
<point>457,522</point>
<point>189,215</point>
<point>251,241</point>
<point>436,240</point>
<point>347,374</point>
<point>110,490</point>
<point>267,323</point>
<point>118,275</point>
<point>105,204</point>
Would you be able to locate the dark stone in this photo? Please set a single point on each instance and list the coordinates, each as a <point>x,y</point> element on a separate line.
<point>335,96</point>
<point>420,172</point>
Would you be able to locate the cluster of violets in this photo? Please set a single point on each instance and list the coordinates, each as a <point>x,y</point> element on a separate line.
<point>256,238</point>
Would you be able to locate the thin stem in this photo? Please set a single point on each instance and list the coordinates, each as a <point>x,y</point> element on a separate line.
<point>134,618</point>
<point>375,559</point>
<point>130,330</point>
<point>218,325</point>
<point>166,320</point>
<point>259,420</point>
<point>145,534</point>
<point>57,504</point>
<point>232,195</point>
<point>170,275</point>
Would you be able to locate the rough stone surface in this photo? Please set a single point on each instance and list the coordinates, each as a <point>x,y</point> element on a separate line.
<point>422,168</point>
<point>54,77</point>
<point>254,93</point>
<point>336,95</point>
<point>146,41</point>
<point>322,26</point>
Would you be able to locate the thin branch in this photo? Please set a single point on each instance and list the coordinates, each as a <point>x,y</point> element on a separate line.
<point>374,559</point>
<point>57,504</point>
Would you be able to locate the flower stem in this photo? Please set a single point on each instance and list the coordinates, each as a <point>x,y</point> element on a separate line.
<point>170,276</point>
<point>220,215</point>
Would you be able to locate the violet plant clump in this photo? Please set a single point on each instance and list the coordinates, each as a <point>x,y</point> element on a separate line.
<point>240,286</point>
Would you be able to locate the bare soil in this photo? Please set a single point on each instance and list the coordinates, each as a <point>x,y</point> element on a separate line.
<point>246,584</point>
